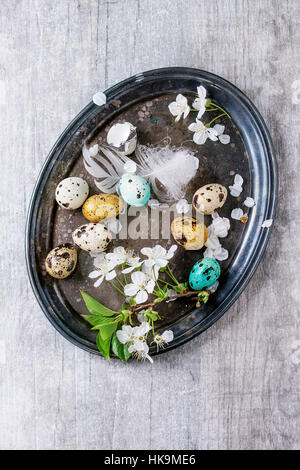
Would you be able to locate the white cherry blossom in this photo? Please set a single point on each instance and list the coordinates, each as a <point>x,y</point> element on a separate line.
<point>202,133</point>
<point>105,270</point>
<point>135,338</point>
<point>140,287</point>
<point>132,263</point>
<point>158,256</point>
<point>200,101</point>
<point>179,107</point>
<point>165,338</point>
<point>118,256</point>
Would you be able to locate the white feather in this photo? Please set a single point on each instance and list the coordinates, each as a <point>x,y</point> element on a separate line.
<point>107,166</point>
<point>168,169</point>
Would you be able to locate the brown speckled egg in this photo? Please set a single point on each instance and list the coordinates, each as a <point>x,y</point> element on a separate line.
<point>61,261</point>
<point>101,206</point>
<point>189,233</point>
<point>93,238</point>
<point>209,198</point>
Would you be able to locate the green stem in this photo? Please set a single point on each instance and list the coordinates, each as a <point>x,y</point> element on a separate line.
<point>171,275</point>
<point>165,282</point>
<point>121,284</point>
<point>158,286</point>
<point>222,109</point>
<point>214,119</point>
<point>116,287</point>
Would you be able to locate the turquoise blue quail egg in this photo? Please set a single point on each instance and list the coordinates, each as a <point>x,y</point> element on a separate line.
<point>204,273</point>
<point>134,189</point>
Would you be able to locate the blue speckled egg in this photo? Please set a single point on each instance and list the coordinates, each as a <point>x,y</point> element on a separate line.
<point>134,190</point>
<point>204,273</point>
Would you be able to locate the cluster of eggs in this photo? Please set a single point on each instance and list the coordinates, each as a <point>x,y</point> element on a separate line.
<point>72,193</point>
<point>94,237</point>
<point>191,233</point>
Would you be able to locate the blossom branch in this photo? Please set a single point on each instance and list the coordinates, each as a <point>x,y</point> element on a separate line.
<point>167,299</point>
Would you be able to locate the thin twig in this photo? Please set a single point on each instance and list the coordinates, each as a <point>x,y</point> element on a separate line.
<point>173,297</point>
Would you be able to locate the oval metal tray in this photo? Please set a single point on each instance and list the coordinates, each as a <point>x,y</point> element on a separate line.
<point>250,153</point>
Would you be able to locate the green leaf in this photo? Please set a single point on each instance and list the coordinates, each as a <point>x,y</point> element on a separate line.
<point>106,331</point>
<point>180,288</point>
<point>103,346</point>
<point>95,307</point>
<point>119,349</point>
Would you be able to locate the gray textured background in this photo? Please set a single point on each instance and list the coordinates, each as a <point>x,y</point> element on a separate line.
<point>236,386</point>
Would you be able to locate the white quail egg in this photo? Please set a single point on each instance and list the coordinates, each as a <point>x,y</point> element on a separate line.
<point>71,192</point>
<point>93,238</point>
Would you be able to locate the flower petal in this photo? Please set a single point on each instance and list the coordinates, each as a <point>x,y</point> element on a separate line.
<point>141,297</point>
<point>200,138</point>
<point>130,289</point>
<point>138,278</point>
<point>219,129</point>
<point>249,202</point>
<point>167,336</point>
<point>130,166</point>
<point>267,223</point>
<point>99,281</point>
<point>224,139</point>
<point>150,286</point>
<point>99,98</point>
<point>237,214</point>
<point>94,274</point>
<point>111,275</point>
<point>181,100</point>
<point>173,108</point>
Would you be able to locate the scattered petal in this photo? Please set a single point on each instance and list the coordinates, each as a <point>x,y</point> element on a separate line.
<point>182,206</point>
<point>99,98</point>
<point>238,180</point>
<point>153,203</point>
<point>224,139</point>
<point>219,129</point>
<point>114,225</point>
<point>237,214</point>
<point>249,202</point>
<point>130,166</point>
<point>267,223</point>
<point>94,150</point>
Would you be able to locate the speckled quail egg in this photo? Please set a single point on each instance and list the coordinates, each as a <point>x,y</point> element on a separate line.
<point>61,261</point>
<point>93,238</point>
<point>189,232</point>
<point>134,189</point>
<point>209,198</point>
<point>204,273</point>
<point>102,206</point>
<point>71,192</point>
